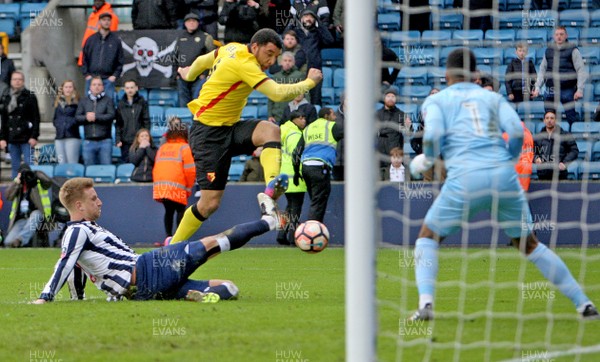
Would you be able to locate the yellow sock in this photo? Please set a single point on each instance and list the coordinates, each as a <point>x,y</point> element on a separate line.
<point>270,160</point>
<point>187,227</point>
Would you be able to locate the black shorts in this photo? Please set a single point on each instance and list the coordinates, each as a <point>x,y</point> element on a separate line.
<point>213,147</point>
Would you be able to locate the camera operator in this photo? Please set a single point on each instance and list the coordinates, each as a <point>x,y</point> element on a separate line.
<point>30,205</point>
<point>240,18</point>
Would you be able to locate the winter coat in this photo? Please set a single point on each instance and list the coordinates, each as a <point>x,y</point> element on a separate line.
<point>23,122</point>
<point>143,159</point>
<point>64,121</point>
<point>154,14</point>
<point>131,117</point>
<point>105,114</point>
<point>544,149</point>
<point>240,22</point>
<point>103,56</point>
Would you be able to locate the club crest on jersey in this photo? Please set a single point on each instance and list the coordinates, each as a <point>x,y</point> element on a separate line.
<point>210,176</point>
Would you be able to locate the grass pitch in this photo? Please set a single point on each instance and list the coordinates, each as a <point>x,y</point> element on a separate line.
<point>291,308</point>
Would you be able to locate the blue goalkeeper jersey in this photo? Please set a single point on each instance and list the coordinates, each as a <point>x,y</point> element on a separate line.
<point>464,123</point>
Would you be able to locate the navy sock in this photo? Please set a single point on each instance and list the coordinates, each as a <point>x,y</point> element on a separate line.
<point>240,234</point>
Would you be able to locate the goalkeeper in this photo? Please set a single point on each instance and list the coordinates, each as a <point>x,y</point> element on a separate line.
<point>465,124</point>
<point>159,274</point>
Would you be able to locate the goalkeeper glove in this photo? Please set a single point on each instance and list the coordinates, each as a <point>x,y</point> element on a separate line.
<point>420,164</point>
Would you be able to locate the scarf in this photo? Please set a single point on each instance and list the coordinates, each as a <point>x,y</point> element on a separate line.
<point>95,98</point>
<point>14,94</point>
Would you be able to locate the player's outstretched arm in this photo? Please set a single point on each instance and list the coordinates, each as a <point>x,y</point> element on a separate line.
<point>286,92</point>
<point>199,65</point>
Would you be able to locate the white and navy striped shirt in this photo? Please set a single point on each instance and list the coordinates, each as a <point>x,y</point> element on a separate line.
<point>105,258</point>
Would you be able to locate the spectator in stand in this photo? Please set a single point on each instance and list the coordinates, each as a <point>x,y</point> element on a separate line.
<point>520,76</point>
<point>564,73</point>
<point>313,36</point>
<point>290,44</point>
<point>396,171</point>
<point>7,67</point>
<point>208,14</point>
<point>275,14</point>
<point>545,142</point>
<point>417,20</point>
<point>317,7</point>
<point>152,14</point>
<point>389,61</point>
<point>338,167</point>
<point>483,21</point>
<point>96,112</point>
<point>20,125</point>
<point>288,74</point>
<point>132,115</point>
<point>597,113</point>
<point>142,154</point>
<point>253,170</point>
<point>174,174</point>
<point>93,25</point>
<point>191,43</point>
<point>392,123</point>
<point>291,133</point>
<point>300,104</point>
<point>103,56</point>
<point>240,18</point>
<point>68,140</point>
<point>338,18</point>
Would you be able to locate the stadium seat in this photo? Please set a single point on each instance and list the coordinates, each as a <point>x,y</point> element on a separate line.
<point>9,16</point>
<point>47,155</point>
<point>410,109</point>
<point>327,95</point>
<point>534,175</point>
<point>387,6</point>
<point>235,171</point>
<point>471,38</point>
<point>512,5</point>
<point>444,52</point>
<point>263,112</point>
<point>597,92</point>
<point>408,150</point>
<point>182,113</point>
<point>419,56</point>
<point>585,149</point>
<point>530,126</point>
<point>412,75</point>
<point>163,97</point>
<point>250,112</point>
<point>333,57</point>
<point>69,170</point>
<point>30,11</point>
<point>397,39</point>
<point>510,20</point>
<point>124,172</point>
<point>256,98</point>
<point>588,111</point>
<point>589,171</point>
<point>539,19</point>
<point>531,111</point>
<point>595,73</point>
<point>327,77</point>
<point>596,151</point>
<point>339,79</point>
<point>573,170</point>
<point>388,21</point>
<point>533,37</point>
<point>499,72</point>
<point>590,55</point>
<point>501,37</point>
<point>416,93</point>
<point>157,131</point>
<point>488,56</point>
<point>578,18</point>
<point>586,130</point>
<point>101,173</point>
<point>509,55</point>
<point>157,114</point>
<point>47,169</point>
<point>590,36</point>
<point>595,19</point>
<point>446,20</point>
<point>434,38</point>
<point>436,76</point>
<point>116,154</point>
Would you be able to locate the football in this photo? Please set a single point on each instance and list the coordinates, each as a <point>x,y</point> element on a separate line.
<point>312,236</point>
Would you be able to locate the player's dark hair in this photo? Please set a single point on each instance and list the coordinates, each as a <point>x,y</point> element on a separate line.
<point>325,111</point>
<point>266,36</point>
<point>461,64</point>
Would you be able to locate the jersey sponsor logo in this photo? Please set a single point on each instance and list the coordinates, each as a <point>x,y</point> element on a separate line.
<point>210,176</point>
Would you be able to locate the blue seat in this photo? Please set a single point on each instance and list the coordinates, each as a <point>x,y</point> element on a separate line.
<point>595,73</point>
<point>585,149</point>
<point>416,93</point>
<point>327,95</point>
<point>590,36</point>
<point>530,126</point>
<point>408,150</point>
<point>597,92</point>
<point>235,171</point>
<point>510,20</point>
<point>409,109</point>
<point>339,79</point>
<point>499,72</point>
<point>436,76</point>
<point>263,112</point>
<point>578,18</point>
<point>333,57</point>
<point>590,55</point>
<point>412,75</point>
<point>446,20</point>
<point>386,6</point>
<point>182,113</point>
<point>595,19</point>
<point>250,112</point>
<point>47,155</point>
<point>157,114</point>
<point>539,126</point>
<point>532,37</point>
<point>471,38</point>
<point>538,19</point>
<point>9,16</point>
<point>512,5</point>
<point>47,169</point>
<point>124,172</point>
<point>444,52</point>
<point>256,98</point>
<point>488,56</point>
<point>589,171</point>
<point>509,55</point>
<point>116,154</point>
<point>398,39</point>
<point>531,111</point>
<point>573,170</point>
<point>69,170</point>
<point>30,11</point>
<point>388,21</point>
<point>157,131</point>
<point>501,37</point>
<point>419,56</point>
<point>596,151</point>
<point>436,38</point>
<point>101,173</point>
<point>484,69</point>
<point>585,130</point>
<point>588,111</point>
<point>163,97</point>
<point>327,77</point>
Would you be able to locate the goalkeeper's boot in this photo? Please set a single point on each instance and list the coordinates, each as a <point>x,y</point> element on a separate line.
<point>590,312</point>
<point>277,186</point>
<point>198,296</point>
<point>268,207</point>
<point>423,314</point>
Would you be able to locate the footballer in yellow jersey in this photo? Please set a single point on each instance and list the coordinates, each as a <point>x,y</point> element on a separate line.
<point>217,134</point>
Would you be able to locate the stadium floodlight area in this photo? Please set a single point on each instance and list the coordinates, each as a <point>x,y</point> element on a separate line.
<point>491,303</point>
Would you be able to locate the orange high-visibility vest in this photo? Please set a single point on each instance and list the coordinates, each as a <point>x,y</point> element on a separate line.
<point>92,26</point>
<point>524,165</point>
<point>174,172</point>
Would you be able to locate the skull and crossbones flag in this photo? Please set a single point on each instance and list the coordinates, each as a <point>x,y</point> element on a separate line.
<point>149,57</point>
